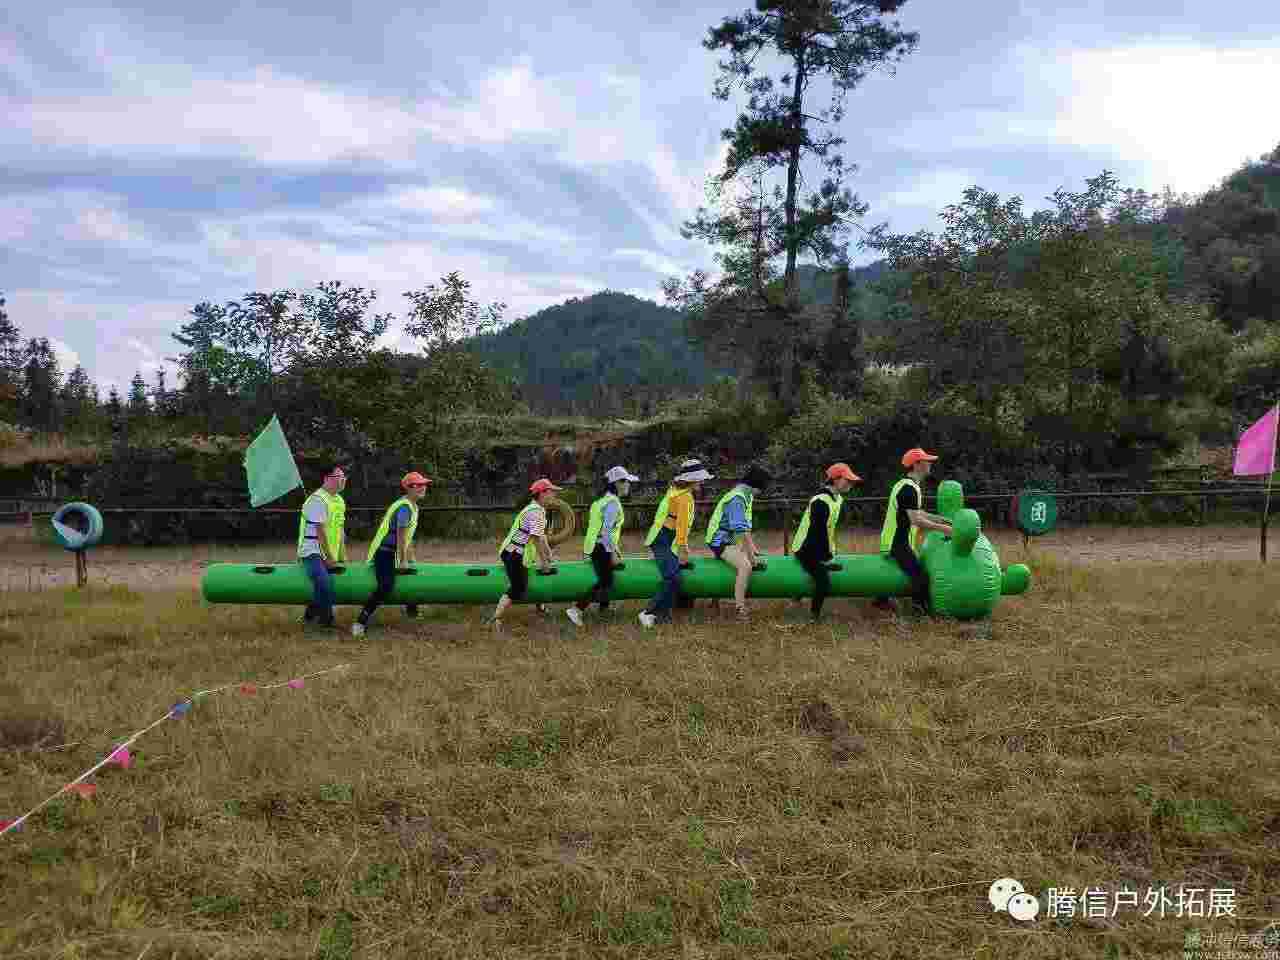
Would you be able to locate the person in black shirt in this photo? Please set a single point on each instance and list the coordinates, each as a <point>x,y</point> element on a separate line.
<point>904,517</point>
<point>815,540</point>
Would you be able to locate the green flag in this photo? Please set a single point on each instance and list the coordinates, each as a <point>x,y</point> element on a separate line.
<point>269,463</point>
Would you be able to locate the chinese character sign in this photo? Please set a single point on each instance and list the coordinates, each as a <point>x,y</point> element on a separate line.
<point>1035,512</point>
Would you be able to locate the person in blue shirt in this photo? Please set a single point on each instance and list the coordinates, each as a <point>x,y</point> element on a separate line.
<point>392,548</point>
<point>729,532</point>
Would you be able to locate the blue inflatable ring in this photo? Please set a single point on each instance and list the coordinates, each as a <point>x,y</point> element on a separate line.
<point>83,516</point>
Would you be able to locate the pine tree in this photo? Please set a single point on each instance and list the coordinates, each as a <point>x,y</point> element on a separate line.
<point>78,404</point>
<point>138,405</point>
<point>41,382</point>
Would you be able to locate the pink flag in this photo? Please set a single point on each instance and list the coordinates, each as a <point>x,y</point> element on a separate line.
<point>1256,451</point>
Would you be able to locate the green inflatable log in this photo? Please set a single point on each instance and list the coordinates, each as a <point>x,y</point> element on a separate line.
<point>964,572</point>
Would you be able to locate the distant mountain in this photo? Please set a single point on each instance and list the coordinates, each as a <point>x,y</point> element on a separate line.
<point>615,354</point>
<point>606,353</point>
<point>819,284</point>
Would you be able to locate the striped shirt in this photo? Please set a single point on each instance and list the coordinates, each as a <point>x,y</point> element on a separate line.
<point>534,524</point>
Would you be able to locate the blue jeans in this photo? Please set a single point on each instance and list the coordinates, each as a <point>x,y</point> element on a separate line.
<point>322,581</point>
<point>669,567</point>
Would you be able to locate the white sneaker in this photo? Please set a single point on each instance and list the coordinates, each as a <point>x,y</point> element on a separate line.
<point>647,620</point>
<point>357,629</point>
<point>574,614</point>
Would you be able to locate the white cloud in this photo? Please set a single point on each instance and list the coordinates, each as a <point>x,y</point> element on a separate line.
<point>67,358</point>
<point>266,116</point>
<point>933,189</point>
<point>441,203</point>
<point>75,217</point>
<point>1177,114</point>
<point>651,259</point>
<point>1190,113</point>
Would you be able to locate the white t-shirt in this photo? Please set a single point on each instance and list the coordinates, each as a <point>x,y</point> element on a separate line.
<point>316,512</point>
<point>533,525</point>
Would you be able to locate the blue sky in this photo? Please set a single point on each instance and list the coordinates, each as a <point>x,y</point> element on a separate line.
<point>154,155</point>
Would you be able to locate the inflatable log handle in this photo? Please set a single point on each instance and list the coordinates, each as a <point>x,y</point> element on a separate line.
<point>338,569</point>
<point>835,566</point>
<point>548,573</point>
<point>1015,580</point>
<point>965,529</point>
<point>406,571</point>
<point>687,566</point>
<point>760,565</point>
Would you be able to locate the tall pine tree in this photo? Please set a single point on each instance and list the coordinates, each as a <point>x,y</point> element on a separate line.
<point>41,384</point>
<point>837,41</point>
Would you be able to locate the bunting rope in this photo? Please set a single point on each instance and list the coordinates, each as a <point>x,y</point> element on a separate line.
<point>120,755</point>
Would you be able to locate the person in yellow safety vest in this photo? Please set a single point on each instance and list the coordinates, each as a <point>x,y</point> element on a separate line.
<point>322,544</point>
<point>904,518</point>
<point>730,521</point>
<point>392,547</point>
<point>814,544</point>
<point>602,544</point>
<point>528,533</point>
<point>668,538</point>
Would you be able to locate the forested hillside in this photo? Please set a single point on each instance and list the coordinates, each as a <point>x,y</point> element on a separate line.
<point>606,353</point>
<point>1114,331</point>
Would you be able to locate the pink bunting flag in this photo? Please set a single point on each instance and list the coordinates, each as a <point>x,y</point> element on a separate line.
<point>248,689</point>
<point>122,758</point>
<point>84,790</point>
<point>6,824</point>
<point>1256,451</point>
<point>296,684</point>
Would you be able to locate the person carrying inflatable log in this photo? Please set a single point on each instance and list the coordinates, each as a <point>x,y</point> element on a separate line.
<point>601,545</point>
<point>729,532</point>
<point>322,543</point>
<point>904,518</point>
<point>392,547</point>
<point>814,543</point>
<point>525,544</point>
<point>668,538</point>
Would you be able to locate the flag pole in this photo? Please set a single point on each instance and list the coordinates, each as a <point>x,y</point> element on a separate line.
<point>1266,503</point>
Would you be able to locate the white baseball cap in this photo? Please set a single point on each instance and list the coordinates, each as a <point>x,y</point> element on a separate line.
<point>692,471</point>
<point>619,473</point>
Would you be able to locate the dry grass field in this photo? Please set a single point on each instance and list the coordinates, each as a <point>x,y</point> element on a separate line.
<point>841,791</point>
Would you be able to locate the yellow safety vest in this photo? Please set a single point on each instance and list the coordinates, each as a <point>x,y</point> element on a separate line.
<point>531,548</point>
<point>595,520</point>
<point>714,524</point>
<point>834,502</point>
<point>660,517</point>
<point>385,527</point>
<point>890,529</point>
<point>333,528</point>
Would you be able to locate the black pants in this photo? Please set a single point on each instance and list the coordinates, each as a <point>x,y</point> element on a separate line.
<point>910,564</point>
<point>517,574</point>
<point>821,580</point>
<point>384,568</point>
<point>602,564</point>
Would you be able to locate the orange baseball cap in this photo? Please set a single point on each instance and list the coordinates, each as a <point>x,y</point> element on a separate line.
<point>915,455</point>
<point>838,470</point>
<point>414,479</point>
<point>542,486</point>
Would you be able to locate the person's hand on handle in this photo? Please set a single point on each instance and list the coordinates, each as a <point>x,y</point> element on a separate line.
<point>684,555</point>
